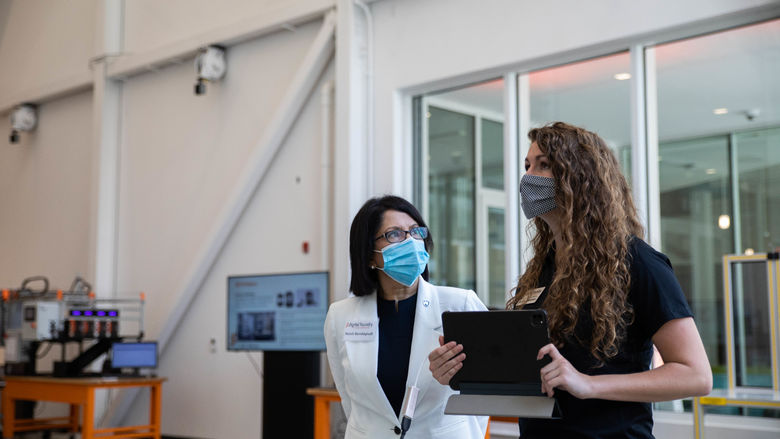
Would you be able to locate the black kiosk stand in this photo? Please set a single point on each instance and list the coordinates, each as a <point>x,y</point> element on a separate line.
<point>287,410</point>
<point>500,375</point>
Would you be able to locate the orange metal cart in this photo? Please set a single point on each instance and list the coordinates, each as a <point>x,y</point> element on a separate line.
<point>77,392</point>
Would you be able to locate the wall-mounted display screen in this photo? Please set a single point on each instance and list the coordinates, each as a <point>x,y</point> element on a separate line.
<point>277,312</point>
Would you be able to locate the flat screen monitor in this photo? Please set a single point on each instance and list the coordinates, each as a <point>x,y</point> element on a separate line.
<point>134,355</point>
<point>277,312</point>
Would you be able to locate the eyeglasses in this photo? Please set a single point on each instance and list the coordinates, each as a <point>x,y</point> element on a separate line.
<point>398,235</point>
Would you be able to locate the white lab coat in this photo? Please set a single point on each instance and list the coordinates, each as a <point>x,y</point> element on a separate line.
<point>353,363</point>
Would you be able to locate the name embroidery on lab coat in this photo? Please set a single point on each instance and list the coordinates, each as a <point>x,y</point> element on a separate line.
<point>360,331</point>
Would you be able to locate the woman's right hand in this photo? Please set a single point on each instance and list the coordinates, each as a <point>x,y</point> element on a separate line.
<point>446,360</point>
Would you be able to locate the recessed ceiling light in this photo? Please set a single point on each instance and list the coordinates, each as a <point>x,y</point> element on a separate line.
<point>622,76</point>
<point>711,171</point>
<point>720,111</point>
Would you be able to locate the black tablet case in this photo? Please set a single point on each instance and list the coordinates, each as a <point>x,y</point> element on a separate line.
<point>501,349</point>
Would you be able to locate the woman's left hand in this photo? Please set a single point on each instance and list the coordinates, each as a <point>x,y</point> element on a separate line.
<point>561,374</point>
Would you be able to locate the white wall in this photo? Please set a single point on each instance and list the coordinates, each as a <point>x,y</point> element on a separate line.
<point>182,154</point>
<point>44,43</point>
<point>181,157</point>
<point>45,196</point>
<point>219,394</point>
<point>150,24</point>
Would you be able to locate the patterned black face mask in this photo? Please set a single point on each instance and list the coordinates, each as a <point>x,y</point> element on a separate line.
<point>537,195</point>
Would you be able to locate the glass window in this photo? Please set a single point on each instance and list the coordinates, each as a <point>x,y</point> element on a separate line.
<point>719,167</point>
<point>696,212</point>
<point>492,154</point>
<point>497,293</point>
<point>450,208</point>
<point>594,94</point>
<point>758,165</point>
<point>752,346</point>
<point>461,141</point>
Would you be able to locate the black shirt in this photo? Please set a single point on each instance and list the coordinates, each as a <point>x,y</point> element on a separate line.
<point>395,346</point>
<point>656,298</point>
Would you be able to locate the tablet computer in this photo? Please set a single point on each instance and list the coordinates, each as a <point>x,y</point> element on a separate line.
<point>501,349</point>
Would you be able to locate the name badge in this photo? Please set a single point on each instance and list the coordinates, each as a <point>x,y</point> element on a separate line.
<point>532,297</point>
<point>360,331</point>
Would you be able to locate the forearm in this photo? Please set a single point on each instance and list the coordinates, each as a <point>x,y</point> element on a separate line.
<point>668,382</point>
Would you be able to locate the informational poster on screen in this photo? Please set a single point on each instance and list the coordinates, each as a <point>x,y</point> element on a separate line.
<point>277,312</point>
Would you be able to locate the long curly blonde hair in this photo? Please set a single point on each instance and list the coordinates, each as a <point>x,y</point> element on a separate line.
<point>598,220</point>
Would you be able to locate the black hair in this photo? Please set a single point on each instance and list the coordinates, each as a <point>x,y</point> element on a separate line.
<point>362,235</point>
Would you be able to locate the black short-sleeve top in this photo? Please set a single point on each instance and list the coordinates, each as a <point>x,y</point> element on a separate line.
<point>656,298</point>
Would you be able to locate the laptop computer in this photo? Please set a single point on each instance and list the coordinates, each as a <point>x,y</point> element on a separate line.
<point>500,375</point>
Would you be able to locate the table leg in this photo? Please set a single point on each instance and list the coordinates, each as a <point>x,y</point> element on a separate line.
<point>88,425</point>
<point>155,409</point>
<point>9,415</point>
<point>698,418</point>
<point>74,418</point>
<point>321,418</point>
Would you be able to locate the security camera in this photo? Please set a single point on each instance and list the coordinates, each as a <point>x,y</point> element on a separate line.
<point>210,65</point>
<point>752,114</point>
<point>23,118</point>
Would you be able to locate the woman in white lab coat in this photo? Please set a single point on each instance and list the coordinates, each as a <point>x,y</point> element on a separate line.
<point>379,338</point>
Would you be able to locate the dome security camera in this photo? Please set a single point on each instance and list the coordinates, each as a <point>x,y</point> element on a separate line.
<point>752,113</point>
<point>23,118</point>
<point>210,65</point>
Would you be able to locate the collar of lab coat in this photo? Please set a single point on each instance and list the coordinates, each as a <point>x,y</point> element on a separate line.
<point>363,355</point>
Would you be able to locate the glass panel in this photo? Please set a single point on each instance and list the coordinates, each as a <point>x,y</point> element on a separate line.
<point>497,290</point>
<point>696,212</point>
<point>713,91</point>
<point>459,135</point>
<point>451,178</point>
<point>758,161</point>
<point>492,154</point>
<point>593,94</point>
<point>750,302</point>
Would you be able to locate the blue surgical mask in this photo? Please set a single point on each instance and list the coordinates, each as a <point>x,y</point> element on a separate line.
<point>404,261</point>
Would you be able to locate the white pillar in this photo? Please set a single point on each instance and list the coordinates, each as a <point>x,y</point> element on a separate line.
<point>350,169</point>
<point>639,135</point>
<point>524,125</point>
<point>651,123</point>
<point>511,188</point>
<point>106,103</point>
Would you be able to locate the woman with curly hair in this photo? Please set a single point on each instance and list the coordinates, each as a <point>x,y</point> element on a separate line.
<point>609,297</point>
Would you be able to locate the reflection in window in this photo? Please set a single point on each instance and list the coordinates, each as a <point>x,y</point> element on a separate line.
<point>593,94</point>
<point>462,176</point>
<point>492,154</point>
<point>758,162</point>
<point>752,347</point>
<point>695,184</point>
<point>720,94</point>
<point>497,291</point>
<point>451,197</point>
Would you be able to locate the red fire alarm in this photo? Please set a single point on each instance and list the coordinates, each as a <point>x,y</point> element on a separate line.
<point>306,246</point>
